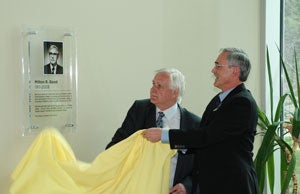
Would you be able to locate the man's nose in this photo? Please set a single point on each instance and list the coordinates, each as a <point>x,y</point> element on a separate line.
<point>213,70</point>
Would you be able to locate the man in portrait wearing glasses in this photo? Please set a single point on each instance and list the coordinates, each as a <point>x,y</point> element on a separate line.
<point>53,67</point>
<point>223,144</point>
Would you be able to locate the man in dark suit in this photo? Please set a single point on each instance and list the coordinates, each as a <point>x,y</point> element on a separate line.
<point>53,67</point>
<point>165,95</point>
<point>223,145</point>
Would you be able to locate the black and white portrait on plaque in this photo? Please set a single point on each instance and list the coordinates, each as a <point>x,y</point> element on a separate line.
<point>53,57</point>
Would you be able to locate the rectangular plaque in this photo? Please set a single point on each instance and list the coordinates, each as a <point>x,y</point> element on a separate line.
<point>49,62</point>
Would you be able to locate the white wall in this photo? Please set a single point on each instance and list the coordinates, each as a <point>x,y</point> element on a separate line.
<point>120,44</point>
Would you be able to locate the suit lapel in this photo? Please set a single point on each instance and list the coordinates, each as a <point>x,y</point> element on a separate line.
<point>150,116</point>
<point>210,110</point>
<point>183,124</point>
<point>236,90</point>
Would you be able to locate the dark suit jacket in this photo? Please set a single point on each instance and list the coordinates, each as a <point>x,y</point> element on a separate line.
<point>223,146</point>
<point>142,115</point>
<point>47,69</point>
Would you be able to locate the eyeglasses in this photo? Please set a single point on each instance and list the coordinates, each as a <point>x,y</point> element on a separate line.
<point>53,53</point>
<point>218,66</point>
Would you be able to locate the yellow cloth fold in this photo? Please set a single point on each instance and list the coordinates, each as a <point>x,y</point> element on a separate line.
<point>132,166</point>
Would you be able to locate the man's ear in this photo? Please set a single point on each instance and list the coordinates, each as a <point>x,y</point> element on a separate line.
<point>176,92</point>
<point>236,71</point>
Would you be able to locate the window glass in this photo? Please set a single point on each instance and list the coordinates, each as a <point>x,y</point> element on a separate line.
<point>291,43</point>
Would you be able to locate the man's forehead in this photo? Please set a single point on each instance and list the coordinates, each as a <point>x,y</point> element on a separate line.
<point>222,57</point>
<point>161,79</point>
<point>53,49</point>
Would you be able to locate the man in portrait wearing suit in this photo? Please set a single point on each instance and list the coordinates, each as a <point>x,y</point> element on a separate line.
<point>223,144</point>
<point>167,90</point>
<point>52,67</point>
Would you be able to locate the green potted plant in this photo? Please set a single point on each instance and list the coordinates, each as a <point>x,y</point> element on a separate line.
<point>294,125</point>
<point>270,126</point>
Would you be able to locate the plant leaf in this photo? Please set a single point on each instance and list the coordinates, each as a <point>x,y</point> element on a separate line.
<point>293,98</point>
<point>296,123</point>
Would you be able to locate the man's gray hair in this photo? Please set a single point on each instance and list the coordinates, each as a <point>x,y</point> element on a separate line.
<point>177,81</point>
<point>237,57</point>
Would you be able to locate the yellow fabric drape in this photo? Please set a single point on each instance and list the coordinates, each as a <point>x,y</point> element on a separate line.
<point>133,166</point>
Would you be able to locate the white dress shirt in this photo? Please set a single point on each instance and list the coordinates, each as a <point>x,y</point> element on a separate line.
<point>171,120</point>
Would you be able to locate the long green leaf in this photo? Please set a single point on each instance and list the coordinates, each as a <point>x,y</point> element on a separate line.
<point>296,123</point>
<point>263,120</point>
<point>297,76</point>
<point>280,107</point>
<point>287,77</point>
<point>289,174</point>
<point>271,172</point>
<point>289,168</point>
<point>270,83</point>
<point>265,151</point>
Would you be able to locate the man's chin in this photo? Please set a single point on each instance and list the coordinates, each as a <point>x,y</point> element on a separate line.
<point>216,83</point>
<point>153,101</point>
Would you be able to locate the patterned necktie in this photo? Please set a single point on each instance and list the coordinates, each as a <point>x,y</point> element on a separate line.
<point>52,70</point>
<point>159,121</point>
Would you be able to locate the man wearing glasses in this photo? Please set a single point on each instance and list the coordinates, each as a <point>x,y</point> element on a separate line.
<point>52,67</point>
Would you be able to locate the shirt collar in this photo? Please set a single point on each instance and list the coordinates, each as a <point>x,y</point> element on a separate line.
<point>170,112</point>
<point>52,66</point>
<point>223,95</point>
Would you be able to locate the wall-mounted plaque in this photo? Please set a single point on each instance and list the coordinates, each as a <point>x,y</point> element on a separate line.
<point>49,62</point>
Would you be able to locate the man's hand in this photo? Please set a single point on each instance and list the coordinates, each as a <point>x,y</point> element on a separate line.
<point>178,189</point>
<point>152,134</point>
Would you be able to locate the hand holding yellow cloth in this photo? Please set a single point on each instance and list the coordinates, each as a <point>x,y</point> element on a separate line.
<point>133,166</point>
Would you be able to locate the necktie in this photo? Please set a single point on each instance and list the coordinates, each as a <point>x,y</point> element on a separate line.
<point>216,103</point>
<point>159,121</point>
<point>52,70</point>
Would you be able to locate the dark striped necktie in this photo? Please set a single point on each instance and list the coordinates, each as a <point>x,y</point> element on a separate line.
<point>159,121</point>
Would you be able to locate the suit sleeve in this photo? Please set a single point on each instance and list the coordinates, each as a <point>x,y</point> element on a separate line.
<point>134,120</point>
<point>230,120</point>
